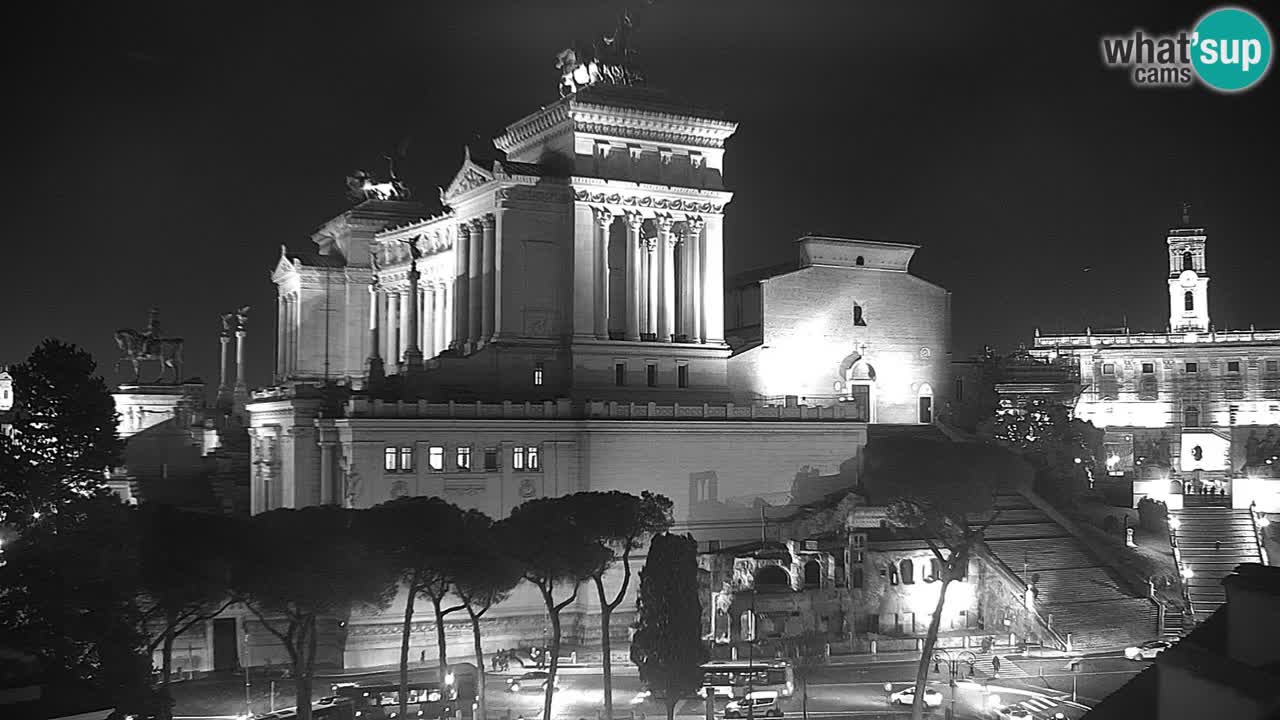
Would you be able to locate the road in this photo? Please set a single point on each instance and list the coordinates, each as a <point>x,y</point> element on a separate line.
<point>853,691</point>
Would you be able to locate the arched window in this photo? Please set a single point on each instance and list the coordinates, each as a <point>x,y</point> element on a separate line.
<point>934,571</point>
<point>857,316</point>
<point>859,261</point>
<point>1191,417</point>
<point>1188,301</point>
<point>812,574</point>
<point>772,578</point>
<point>1188,262</point>
<point>908,570</point>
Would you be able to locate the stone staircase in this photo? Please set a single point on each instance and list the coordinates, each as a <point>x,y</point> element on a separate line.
<point>1076,592</point>
<point>1211,542</point>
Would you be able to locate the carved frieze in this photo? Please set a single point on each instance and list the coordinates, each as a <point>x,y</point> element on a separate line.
<point>649,134</point>
<point>647,201</point>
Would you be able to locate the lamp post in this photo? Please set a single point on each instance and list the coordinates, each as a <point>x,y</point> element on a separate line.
<point>953,669</point>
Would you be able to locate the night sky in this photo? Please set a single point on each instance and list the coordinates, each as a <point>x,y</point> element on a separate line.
<point>161,153</point>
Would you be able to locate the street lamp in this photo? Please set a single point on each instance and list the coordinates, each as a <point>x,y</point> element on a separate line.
<point>953,667</point>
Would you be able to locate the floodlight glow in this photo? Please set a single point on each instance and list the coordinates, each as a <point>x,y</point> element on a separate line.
<point>1187,574</point>
<point>1264,521</point>
<point>1175,523</point>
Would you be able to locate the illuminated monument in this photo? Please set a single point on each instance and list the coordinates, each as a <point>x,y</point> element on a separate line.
<point>558,325</point>
<point>1191,409</point>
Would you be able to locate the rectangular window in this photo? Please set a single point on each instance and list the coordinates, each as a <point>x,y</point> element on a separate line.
<point>406,459</point>
<point>517,458</point>
<point>1193,367</point>
<point>620,374</point>
<point>1273,366</point>
<point>651,375</point>
<point>435,458</point>
<point>1108,368</point>
<point>525,458</point>
<point>1148,368</point>
<point>959,394</point>
<point>531,456</point>
<point>464,458</point>
<point>389,459</point>
<point>537,373</point>
<point>491,458</point>
<point>682,376</point>
<point>1233,366</point>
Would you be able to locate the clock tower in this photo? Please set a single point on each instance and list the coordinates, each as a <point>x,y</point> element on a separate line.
<point>1188,279</point>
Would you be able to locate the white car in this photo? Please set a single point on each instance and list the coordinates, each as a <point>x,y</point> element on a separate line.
<point>1015,713</point>
<point>932,698</point>
<point>1147,650</point>
<point>763,703</point>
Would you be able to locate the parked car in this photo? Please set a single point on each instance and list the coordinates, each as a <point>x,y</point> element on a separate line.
<point>536,680</point>
<point>1014,712</point>
<point>907,696</point>
<point>1147,650</point>
<point>1038,650</point>
<point>762,703</point>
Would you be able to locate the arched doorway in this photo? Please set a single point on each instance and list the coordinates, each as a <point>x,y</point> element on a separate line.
<point>859,381</point>
<point>812,574</point>
<point>772,578</point>
<point>924,401</point>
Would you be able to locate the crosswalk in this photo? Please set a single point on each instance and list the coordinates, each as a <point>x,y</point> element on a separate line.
<point>984,668</point>
<point>1037,705</point>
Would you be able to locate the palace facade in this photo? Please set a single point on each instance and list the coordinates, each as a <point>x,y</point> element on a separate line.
<point>559,326</point>
<point>1191,409</point>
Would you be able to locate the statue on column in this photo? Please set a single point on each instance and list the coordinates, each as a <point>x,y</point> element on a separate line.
<point>228,324</point>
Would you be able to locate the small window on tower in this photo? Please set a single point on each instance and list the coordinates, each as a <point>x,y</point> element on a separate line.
<point>1188,301</point>
<point>1188,261</point>
<point>1233,366</point>
<point>537,373</point>
<point>1108,368</point>
<point>859,261</point>
<point>1148,368</point>
<point>1273,366</point>
<point>858,320</point>
<point>1193,367</point>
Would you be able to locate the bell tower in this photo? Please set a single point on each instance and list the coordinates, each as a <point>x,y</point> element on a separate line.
<point>1188,277</point>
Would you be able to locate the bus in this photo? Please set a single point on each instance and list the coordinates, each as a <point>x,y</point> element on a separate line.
<point>735,678</point>
<point>381,700</point>
<point>326,708</point>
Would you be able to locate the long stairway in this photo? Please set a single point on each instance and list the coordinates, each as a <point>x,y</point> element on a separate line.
<point>1075,589</point>
<point>1212,541</point>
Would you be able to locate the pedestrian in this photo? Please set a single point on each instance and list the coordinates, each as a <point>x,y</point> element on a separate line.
<point>995,665</point>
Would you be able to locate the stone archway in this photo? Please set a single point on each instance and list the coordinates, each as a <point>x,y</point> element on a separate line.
<point>771,578</point>
<point>858,382</point>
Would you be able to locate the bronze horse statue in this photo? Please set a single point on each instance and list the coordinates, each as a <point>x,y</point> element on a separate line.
<point>135,347</point>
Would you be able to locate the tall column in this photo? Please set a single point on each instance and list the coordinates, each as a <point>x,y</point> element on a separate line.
<point>413,300</point>
<point>428,330</point>
<point>438,321</point>
<point>406,332</point>
<point>475,284</point>
<point>634,221</point>
<point>225,339</point>
<point>375,370</point>
<point>694,238</point>
<point>604,221</point>
<point>447,315</point>
<point>388,328</point>
<point>328,478</point>
<point>291,358</point>
<point>667,280</point>
<point>713,279</point>
<point>653,272</point>
<point>241,334</point>
<point>461,290</point>
<point>488,277</point>
<point>281,321</point>
<point>393,327</point>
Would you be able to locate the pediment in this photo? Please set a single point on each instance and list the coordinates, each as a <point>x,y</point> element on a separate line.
<point>284,266</point>
<point>469,177</point>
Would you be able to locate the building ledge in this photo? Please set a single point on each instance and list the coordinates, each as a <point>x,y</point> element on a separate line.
<point>565,409</point>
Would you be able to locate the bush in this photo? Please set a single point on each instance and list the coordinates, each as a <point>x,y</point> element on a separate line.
<point>1110,524</point>
<point>1153,514</point>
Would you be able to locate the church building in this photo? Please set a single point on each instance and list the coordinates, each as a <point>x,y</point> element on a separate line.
<point>1192,409</point>
<point>559,325</point>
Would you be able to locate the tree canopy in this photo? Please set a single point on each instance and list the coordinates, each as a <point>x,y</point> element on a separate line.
<point>667,646</point>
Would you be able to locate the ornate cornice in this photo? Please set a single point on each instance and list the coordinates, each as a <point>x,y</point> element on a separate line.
<point>530,127</point>
<point>643,202</point>
<point>525,193</point>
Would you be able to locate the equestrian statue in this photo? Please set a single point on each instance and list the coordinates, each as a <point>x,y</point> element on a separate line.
<point>136,347</point>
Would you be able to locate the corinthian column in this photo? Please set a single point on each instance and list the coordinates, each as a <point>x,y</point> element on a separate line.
<point>406,336</point>
<point>461,285</point>
<point>666,280</point>
<point>651,271</point>
<point>412,352</point>
<point>488,279</point>
<point>393,326</point>
<point>634,221</point>
<point>281,343</point>
<point>375,369</point>
<point>475,285</point>
<point>241,333</point>
<point>604,220</point>
<point>693,239</point>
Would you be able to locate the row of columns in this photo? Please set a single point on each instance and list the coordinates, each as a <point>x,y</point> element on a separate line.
<point>651,307</point>
<point>478,273</point>
<point>289,320</point>
<point>392,321</point>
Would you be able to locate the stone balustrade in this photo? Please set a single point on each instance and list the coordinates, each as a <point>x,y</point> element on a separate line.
<point>564,409</point>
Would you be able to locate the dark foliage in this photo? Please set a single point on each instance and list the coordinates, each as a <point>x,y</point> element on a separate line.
<point>668,646</point>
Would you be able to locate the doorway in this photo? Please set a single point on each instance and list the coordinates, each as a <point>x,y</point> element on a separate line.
<point>225,656</point>
<point>926,410</point>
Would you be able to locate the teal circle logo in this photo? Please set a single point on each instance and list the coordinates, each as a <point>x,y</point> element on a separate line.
<point>1231,49</point>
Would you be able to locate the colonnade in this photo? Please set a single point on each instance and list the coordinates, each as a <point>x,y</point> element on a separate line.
<point>289,322</point>
<point>665,275</point>
<point>390,323</point>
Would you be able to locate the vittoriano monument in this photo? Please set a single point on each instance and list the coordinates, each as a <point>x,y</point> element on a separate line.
<point>148,345</point>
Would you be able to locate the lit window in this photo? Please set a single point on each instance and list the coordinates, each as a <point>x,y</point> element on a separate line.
<point>389,459</point>
<point>517,458</point>
<point>1233,366</point>
<point>1193,367</point>
<point>651,375</point>
<point>531,455</point>
<point>435,458</point>
<point>620,374</point>
<point>464,458</point>
<point>1148,368</point>
<point>682,376</point>
<point>406,459</point>
<point>537,374</point>
<point>1108,369</point>
<point>491,458</point>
